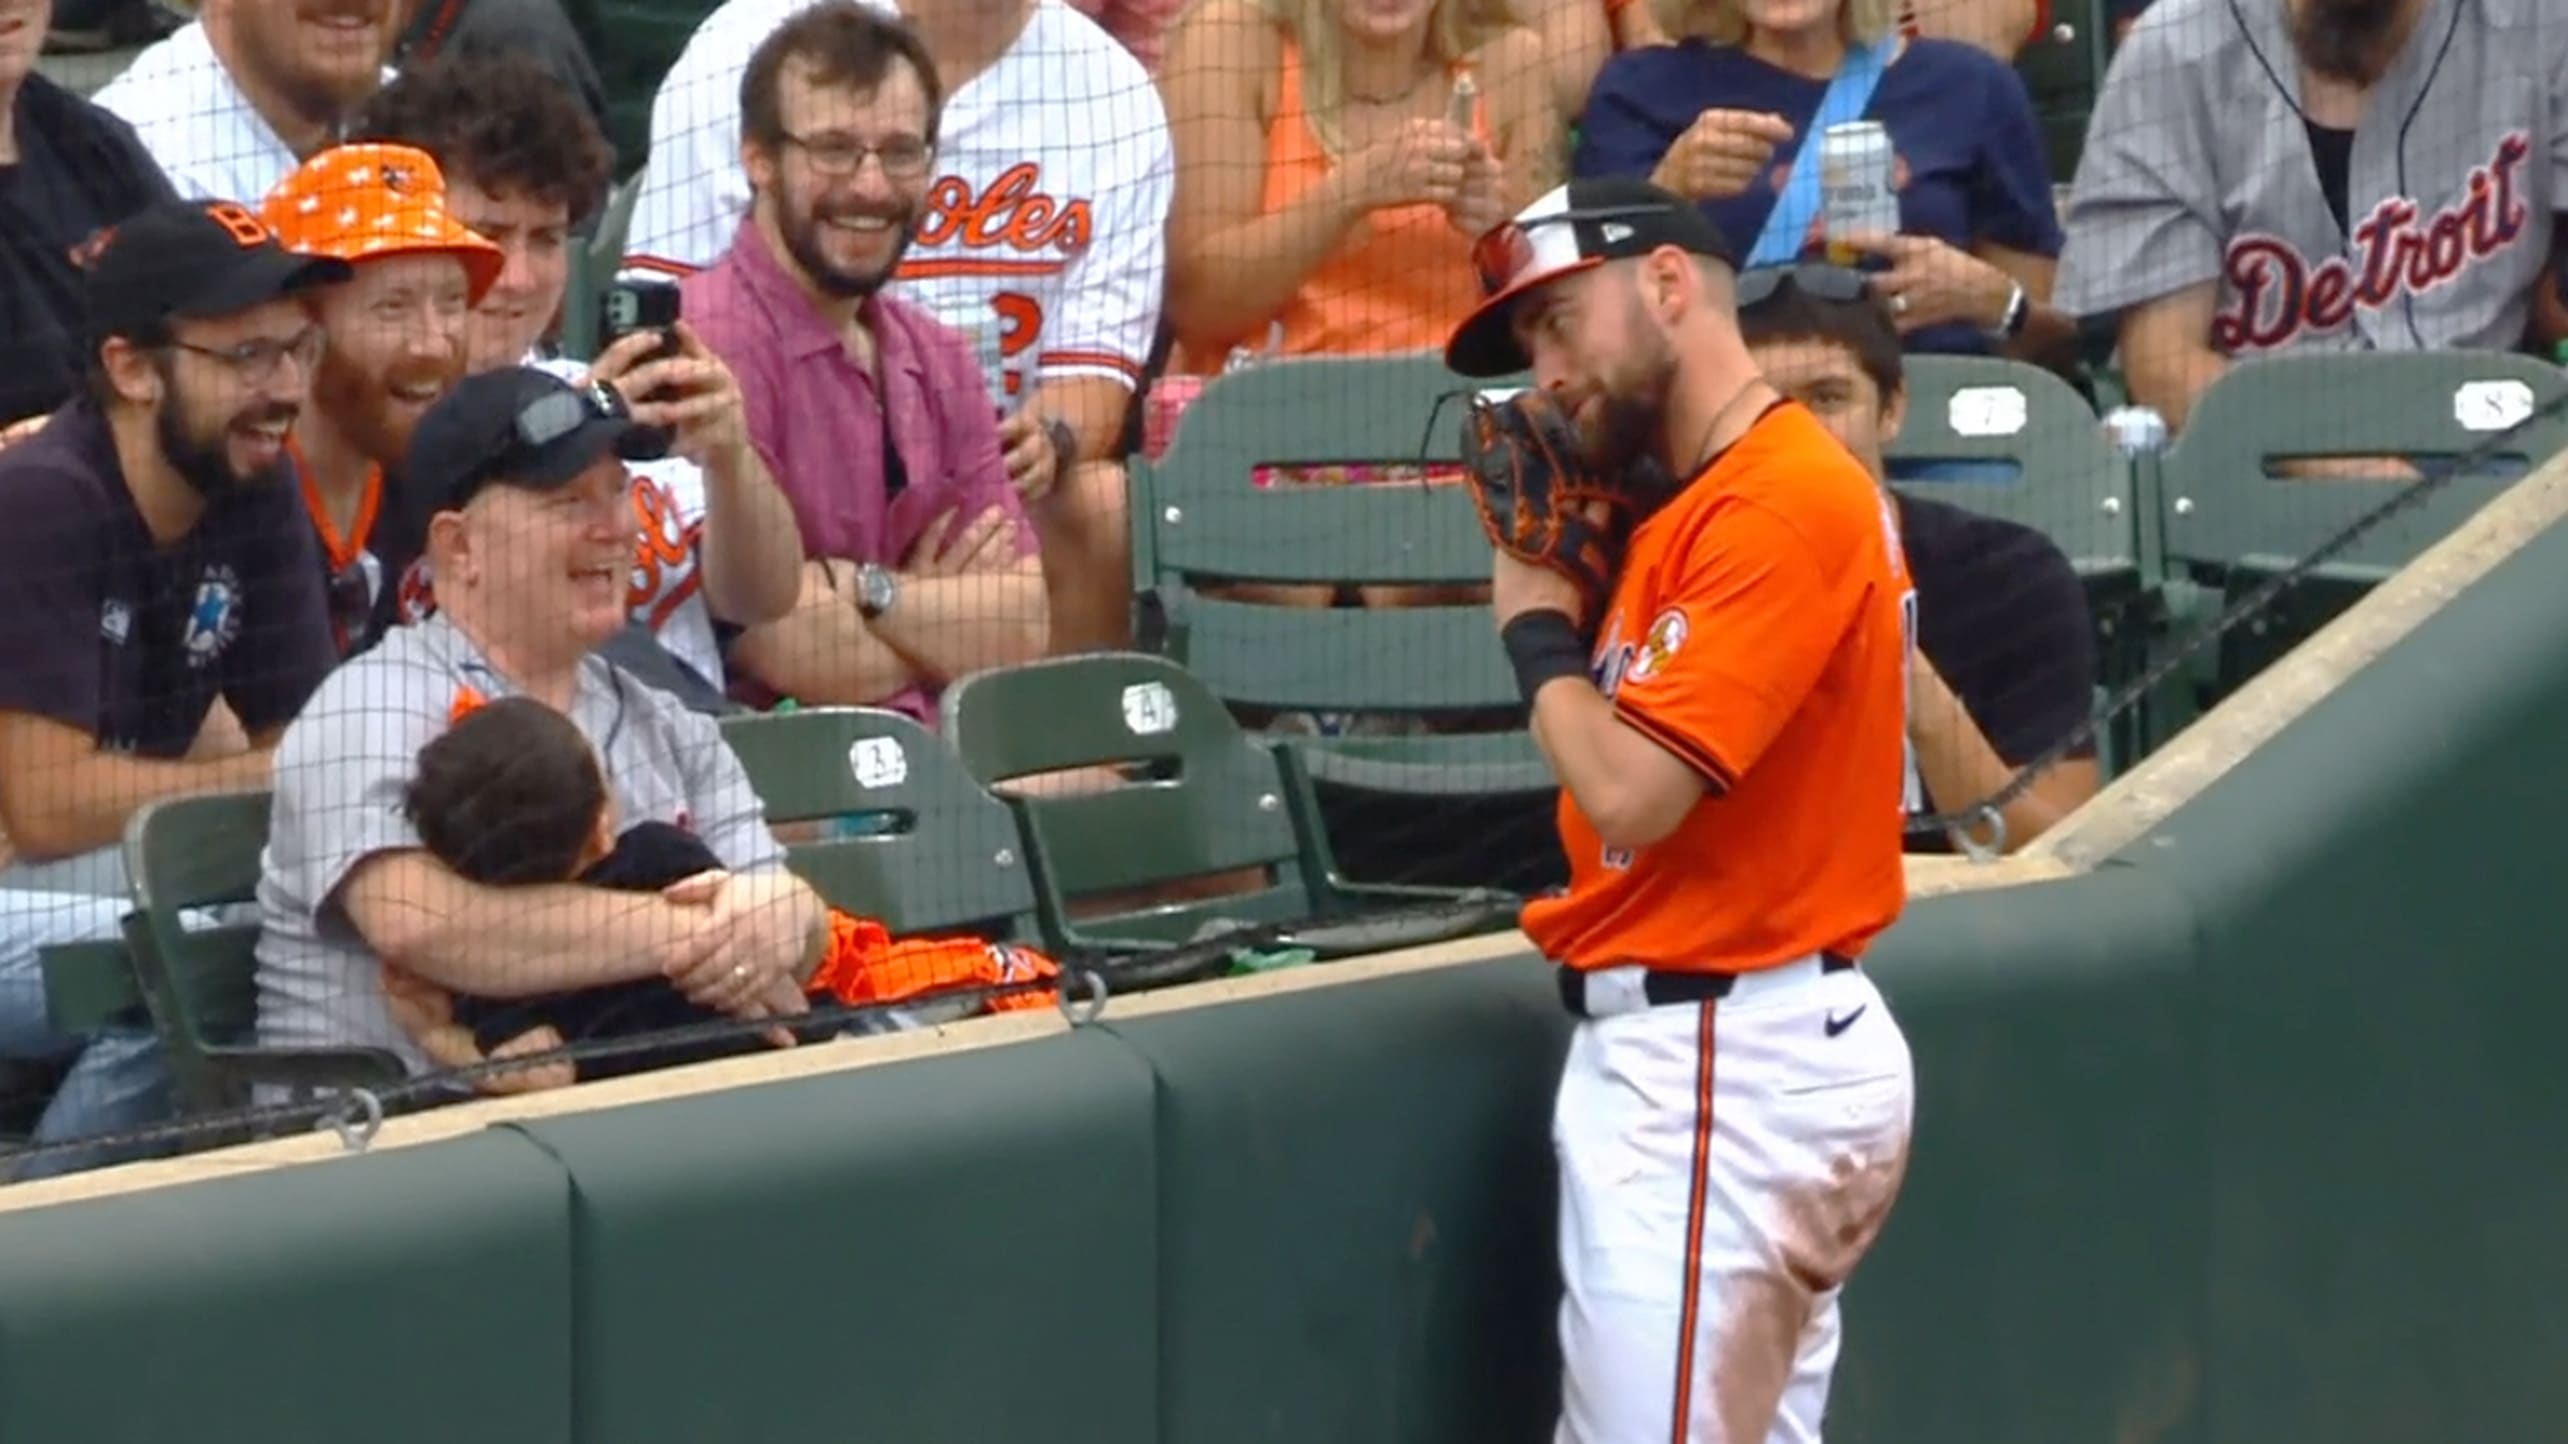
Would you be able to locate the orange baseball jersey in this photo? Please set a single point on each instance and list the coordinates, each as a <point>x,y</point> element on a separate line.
<point>1760,633</point>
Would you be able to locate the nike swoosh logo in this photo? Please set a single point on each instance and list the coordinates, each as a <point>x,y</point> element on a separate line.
<point>1838,1025</point>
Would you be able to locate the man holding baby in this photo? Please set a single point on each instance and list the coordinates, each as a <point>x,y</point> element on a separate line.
<point>530,541</point>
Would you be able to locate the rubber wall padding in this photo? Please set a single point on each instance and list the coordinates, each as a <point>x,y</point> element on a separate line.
<point>416,1296</point>
<point>1356,1222</point>
<point>958,1248</point>
<point>2380,892</point>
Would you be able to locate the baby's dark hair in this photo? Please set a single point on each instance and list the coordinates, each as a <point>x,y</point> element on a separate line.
<point>510,794</point>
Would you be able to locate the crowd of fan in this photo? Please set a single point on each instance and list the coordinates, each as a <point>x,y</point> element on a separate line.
<point>294,475</point>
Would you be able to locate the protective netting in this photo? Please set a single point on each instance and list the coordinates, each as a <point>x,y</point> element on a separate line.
<point>1089,615</point>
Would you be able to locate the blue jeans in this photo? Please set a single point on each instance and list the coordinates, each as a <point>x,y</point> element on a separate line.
<point>120,1080</point>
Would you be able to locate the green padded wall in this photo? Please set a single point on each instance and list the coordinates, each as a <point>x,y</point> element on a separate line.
<point>958,1248</point>
<point>2379,897</point>
<point>417,1295</point>
<point>1356,1211</point>
<point>2041,1278</point>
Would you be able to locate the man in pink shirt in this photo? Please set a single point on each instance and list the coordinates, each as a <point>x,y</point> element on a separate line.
<point>871,414</point>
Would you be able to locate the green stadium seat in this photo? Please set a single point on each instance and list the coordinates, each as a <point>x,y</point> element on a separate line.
<point>1201,799</point>
<point>90,985</point>
<point>1204,522</point>
<point>594,262</point>
<point>2015,441</point>
<point>2232,524</point>
<point>942,856</point>
<point>189,855</point>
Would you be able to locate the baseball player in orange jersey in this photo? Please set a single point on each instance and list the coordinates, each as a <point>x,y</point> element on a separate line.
<point>1733,1117</point>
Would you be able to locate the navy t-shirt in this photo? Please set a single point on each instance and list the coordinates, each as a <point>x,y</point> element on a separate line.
<point>1970,162</point>
<point>2003,617</point>
<point>129,640</point>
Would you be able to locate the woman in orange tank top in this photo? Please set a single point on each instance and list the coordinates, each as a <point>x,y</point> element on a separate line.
<point>1335,159</point>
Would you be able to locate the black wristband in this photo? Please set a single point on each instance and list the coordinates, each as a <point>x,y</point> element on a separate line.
<point>1542,646</point>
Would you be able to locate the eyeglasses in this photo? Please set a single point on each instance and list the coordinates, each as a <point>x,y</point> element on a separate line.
<point>255,361</point>
<point>1504,251</point>
<point>1819,282</point>
<point>904,157</point>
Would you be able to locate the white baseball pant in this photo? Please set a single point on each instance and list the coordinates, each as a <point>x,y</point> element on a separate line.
<point>1723,1167</point>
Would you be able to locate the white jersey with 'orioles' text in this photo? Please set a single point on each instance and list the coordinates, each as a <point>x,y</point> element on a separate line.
<point>1043,236</point>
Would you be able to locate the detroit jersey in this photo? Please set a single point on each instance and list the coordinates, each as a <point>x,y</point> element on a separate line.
<point>1759,633</point>
<point>1043,234</point>
<point>2199,168</point>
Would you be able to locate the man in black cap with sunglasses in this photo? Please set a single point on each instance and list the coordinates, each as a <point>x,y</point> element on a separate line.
<point>530,541</point>
<point>1734,1114</point>
<point>161,613</point>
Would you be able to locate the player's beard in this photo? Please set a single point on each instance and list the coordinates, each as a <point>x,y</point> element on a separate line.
<point>1625,427</point>
<point>801,232</point>
<point>202,455</point>
<point>2348,40</point>
<point>361,404</point>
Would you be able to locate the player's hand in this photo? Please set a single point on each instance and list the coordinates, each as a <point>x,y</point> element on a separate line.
<point>953,547</point>
<point>1516,588</point>
<point>1424,162</point>
<point>1721,154</point>
<point>1481,203</point>
<point>1931,283</point>
<point>693,396</point>
<point>1034,464</point>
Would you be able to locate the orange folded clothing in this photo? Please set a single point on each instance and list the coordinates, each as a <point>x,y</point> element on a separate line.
<point>865,965</point>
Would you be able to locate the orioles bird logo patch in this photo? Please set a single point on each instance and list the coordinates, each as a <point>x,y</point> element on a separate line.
<point>1665,638</point>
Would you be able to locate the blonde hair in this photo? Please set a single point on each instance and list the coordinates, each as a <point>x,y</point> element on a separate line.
<point>1455,29</point>
<point>1725,22</point>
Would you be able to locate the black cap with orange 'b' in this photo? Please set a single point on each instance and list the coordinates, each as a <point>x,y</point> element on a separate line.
<point>190,259</point>
<point>1582,224</point>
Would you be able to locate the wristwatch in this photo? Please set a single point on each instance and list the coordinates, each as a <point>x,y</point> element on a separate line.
<point>876,589</point>
<point>2019,309</point>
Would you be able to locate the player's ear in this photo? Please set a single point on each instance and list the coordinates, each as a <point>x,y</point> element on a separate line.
<point>1667,281</point>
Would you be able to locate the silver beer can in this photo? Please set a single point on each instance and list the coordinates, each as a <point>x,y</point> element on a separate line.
<point>1856,190</point>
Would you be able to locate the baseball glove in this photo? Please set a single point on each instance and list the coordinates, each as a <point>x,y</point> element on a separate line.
<point>1538,499</point>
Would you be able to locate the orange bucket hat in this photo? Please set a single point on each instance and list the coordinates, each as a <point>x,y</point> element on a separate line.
<point>358,202</point>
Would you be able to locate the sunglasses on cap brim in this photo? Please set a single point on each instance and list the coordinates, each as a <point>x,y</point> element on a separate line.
<point>1504,251</point>
<point>1817,281</point>
<point>556,414</point>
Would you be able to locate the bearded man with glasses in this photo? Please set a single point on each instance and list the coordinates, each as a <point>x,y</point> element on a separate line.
<point>871,414</point>
<point>161,608</point>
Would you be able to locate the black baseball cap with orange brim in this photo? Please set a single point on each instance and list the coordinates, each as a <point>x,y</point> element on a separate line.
<point>1576,227</point>
<point>181,259</point>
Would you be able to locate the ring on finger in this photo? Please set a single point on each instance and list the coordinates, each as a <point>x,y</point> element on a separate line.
<point>1899,305</point>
